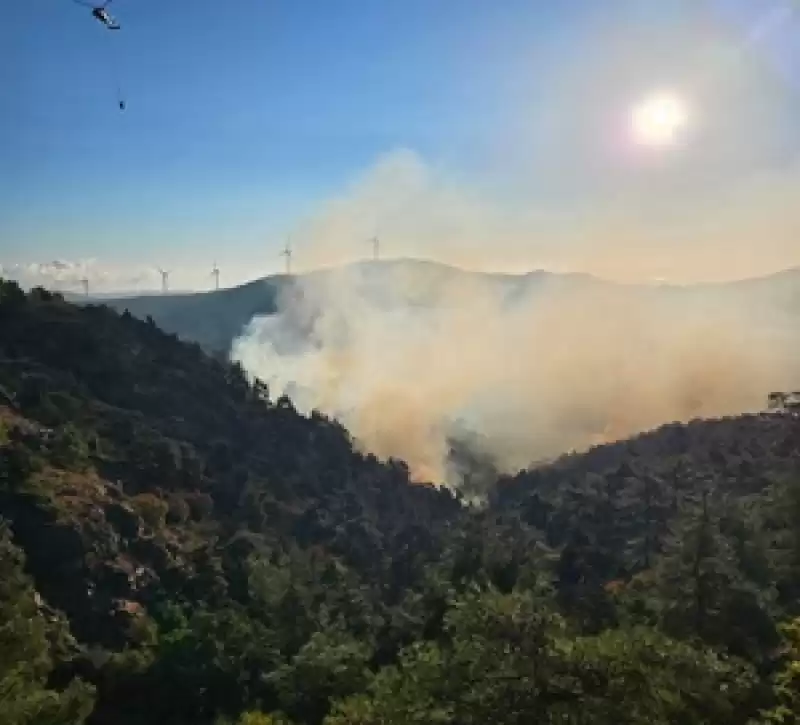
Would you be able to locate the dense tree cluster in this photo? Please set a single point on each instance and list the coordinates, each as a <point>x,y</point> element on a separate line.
<point>29,639</point>
<point>180,548</point>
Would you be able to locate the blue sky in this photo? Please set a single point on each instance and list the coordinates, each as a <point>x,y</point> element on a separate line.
<point>244,117</point>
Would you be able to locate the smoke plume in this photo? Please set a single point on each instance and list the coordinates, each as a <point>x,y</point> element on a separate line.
<point>415,357</point>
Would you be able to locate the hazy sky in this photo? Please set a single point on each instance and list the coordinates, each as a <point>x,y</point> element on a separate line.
<point>249,119</point>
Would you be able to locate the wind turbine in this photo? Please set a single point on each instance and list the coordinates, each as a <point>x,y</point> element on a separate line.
<point>164,280</point>
<point>215,274</point>
<point>376,247</point>
<point>287,252</point>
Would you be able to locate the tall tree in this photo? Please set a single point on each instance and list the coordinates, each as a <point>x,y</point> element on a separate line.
<point>786,683</point>
<point>702,590</point>
<point>25,659</point>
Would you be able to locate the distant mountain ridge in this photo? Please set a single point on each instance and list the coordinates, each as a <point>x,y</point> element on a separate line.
<point>215,318</point>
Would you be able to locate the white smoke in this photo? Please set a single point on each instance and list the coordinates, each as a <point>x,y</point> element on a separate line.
<point>409,354</point>
<point>743,229</point>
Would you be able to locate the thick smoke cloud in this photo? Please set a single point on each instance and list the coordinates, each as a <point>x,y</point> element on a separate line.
<point>413,356</point>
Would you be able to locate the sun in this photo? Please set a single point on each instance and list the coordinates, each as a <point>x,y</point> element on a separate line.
<point>658,119</point>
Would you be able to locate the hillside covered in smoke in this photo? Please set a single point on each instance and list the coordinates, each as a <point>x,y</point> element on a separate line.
<point>415,357</point>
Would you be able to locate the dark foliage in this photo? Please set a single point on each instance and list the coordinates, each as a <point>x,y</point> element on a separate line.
<point>209,555</point>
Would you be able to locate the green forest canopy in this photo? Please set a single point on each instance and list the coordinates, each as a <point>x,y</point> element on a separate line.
<point>179,548</point>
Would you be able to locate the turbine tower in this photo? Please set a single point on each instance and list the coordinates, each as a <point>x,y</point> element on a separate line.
<point>85,284</point>
<point>215,274</point>
<point>287,252</point>
<point>164,280</point>
<point>376,247</point>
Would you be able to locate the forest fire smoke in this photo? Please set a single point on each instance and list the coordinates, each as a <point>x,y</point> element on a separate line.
<point>409,354</point>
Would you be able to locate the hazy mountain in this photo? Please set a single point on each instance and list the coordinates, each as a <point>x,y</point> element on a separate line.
<point>211,318</point>
<point>215,318</point>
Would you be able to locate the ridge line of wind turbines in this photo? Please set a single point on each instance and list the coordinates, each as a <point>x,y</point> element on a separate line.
<point>287,252</point>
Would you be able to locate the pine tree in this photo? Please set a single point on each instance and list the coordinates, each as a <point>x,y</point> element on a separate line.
<point>703,590</point>
<point>25,660</point>
<point>786,683</point>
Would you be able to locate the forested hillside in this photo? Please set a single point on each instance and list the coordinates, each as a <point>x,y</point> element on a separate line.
<point>178,547</point>
<point>214,319</point>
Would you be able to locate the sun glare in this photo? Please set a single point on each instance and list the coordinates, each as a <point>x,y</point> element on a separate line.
<point>658,119</point>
